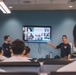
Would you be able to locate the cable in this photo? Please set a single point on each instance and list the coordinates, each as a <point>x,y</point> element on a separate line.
<point>39,48</point>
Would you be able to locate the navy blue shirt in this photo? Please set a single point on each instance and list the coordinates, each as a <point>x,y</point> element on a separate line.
<point>65,49</point>
<point>6,48</point>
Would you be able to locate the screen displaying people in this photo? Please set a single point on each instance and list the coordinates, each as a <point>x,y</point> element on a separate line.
<point>37,34</point>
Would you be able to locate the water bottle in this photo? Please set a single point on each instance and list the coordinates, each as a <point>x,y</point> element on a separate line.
<point>50,54</point>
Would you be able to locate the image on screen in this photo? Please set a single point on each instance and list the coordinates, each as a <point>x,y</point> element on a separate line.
<point>36,34</point>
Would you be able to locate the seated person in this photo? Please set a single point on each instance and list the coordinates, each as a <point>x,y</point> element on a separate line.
<point>18,49</point>
<point>1,55</point>
<point>27,52</point>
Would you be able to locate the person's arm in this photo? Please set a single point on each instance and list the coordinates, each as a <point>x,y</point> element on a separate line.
<point>10,49</point>
<point>69,51</point>
<point>4,48</point>
<point>68,56</point>
<point>53,45</point>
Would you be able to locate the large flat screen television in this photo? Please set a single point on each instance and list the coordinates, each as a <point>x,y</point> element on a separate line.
<point>37,33</point>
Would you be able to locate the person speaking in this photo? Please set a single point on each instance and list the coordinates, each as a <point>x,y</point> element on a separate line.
<point>64,46</point>
<point>6,46</point>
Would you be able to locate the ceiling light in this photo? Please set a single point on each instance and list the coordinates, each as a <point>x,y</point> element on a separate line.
<point>70,6</point>
<point>10,7</point>
<point>4,8</point>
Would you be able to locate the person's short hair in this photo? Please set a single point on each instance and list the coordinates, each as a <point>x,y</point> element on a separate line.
<point>18,46</point>
<point>27,50</point>
<point>74,35</point>
<point>64,36</point>
<point>0,49</point>
<point>6,37</point>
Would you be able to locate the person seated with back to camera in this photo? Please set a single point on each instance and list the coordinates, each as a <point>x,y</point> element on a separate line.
<point>18,49</point>
<point>27,52</point>
<point>1,55</point>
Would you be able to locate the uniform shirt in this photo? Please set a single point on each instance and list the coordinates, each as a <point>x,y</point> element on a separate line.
<point>6,48</point>
<point>17,59</point>
<point>65,49</point>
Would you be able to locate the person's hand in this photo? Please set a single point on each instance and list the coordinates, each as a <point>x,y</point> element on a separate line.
<point>11,50</point>
<point>49,43</point>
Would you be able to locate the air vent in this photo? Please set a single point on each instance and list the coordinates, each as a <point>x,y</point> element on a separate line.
<point>26,1</point>
<point>73,1</point>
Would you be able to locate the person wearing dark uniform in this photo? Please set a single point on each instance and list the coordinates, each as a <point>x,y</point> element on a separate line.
<point>65,47</point>
<point>72,66</point>
<point>6,46</point>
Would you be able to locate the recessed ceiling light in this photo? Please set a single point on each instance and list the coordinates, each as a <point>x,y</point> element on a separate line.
<point>10,7</point>
<point>70,6</point>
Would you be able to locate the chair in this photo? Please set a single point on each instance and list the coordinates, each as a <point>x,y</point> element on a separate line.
<point>20,66</point>
<point>18,73</point>
<point>63,73</point>
<point>54,65</point>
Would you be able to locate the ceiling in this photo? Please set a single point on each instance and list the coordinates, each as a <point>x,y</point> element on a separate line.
<point>41,4</point>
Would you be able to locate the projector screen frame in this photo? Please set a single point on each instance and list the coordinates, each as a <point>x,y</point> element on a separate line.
<point>40,27</point>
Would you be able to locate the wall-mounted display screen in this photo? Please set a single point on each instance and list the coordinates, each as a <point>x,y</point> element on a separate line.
<point>37,33</point>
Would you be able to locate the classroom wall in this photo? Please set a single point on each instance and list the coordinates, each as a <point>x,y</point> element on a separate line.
<point>62,22</point>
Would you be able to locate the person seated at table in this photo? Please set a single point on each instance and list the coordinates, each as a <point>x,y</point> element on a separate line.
<point>18,49</point>
<point>27,49</point>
